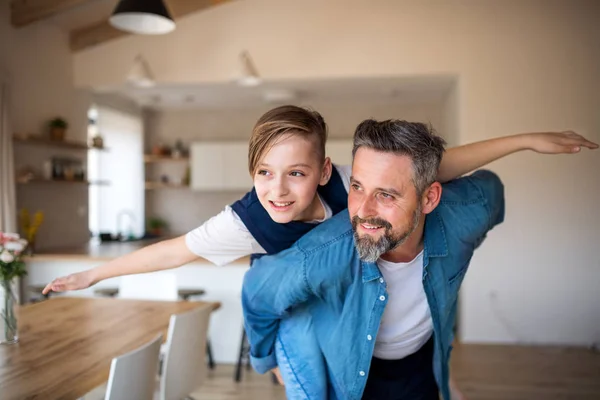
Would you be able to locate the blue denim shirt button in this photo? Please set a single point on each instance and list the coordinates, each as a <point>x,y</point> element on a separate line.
<point>362,373</point>
<point>369,337</point>
<point>381,280</point>
<point>382,298</point>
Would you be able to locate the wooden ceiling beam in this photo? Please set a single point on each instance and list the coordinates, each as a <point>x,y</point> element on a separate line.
<point>101,32</point>
<point>25,12</point>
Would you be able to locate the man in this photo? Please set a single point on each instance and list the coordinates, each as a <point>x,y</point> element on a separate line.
<point>381,280</point>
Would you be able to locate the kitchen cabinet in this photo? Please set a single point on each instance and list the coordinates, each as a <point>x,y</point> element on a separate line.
<point>219,166</point>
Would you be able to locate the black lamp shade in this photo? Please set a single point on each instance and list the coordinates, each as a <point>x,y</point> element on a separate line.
<point>146,17</point>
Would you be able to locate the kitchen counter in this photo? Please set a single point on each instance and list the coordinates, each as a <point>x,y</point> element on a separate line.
<point>105,251</point>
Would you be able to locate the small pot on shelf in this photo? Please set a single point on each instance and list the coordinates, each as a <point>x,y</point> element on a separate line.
<point>58,129</point>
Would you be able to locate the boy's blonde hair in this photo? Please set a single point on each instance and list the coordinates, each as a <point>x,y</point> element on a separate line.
<point>281,121</point>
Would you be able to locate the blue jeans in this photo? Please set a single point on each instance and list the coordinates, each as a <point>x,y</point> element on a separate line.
<point>299,358</point>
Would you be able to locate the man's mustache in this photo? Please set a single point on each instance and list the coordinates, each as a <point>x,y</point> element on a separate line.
<point>371,221</point>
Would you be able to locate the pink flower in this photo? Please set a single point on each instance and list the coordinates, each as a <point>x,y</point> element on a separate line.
<point>6,257</point>
<point>14,246</point>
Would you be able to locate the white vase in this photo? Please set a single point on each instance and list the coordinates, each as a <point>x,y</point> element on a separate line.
<point>8,315</point>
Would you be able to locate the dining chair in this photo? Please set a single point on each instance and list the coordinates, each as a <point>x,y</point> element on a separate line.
<point>133,375</point>
<point>184,362</point>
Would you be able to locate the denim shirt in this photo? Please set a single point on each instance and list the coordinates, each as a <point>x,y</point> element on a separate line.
<point>346,296</point>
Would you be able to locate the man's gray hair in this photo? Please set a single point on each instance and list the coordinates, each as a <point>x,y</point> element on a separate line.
<point>413,139</point>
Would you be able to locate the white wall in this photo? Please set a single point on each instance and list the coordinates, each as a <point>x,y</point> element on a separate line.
<point>521,65</point>
<point>193,208</point>
<point>38,67</point>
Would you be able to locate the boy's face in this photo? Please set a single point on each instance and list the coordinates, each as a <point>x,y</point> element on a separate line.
<point>383,202</point>
<point>287,178</point>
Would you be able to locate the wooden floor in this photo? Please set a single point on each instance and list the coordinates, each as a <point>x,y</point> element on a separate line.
<point>526,373</point>
<point>483,372</point>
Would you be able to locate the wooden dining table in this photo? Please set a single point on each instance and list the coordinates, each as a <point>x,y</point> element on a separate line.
<point>66,344</point>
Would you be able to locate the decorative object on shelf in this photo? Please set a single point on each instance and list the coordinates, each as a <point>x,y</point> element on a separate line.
<point>58,129</point>
<point>11,267</point>
<point>179,150</point>
<point>69,169</point>
<point>30,227</point>
<point>160,149</point>
<point>144,17</point>
<point>26,174</point>
<point>97,141</point>
<point>156,226</point>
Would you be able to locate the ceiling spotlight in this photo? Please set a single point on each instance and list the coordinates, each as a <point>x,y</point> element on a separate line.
<point>140,74</point>
<point>145,17</point>
<point>249,74</point>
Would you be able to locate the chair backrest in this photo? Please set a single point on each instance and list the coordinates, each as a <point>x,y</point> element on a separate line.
<point>184,365</point>
<point>149,286</point>
<point>133,375</point>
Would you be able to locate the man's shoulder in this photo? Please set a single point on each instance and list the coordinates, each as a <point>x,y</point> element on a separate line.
<point>335,230</point>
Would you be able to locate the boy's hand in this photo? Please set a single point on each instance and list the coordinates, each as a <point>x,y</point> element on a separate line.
<point>558,142</point>
<point>78,281</point>
<point>277,374</point>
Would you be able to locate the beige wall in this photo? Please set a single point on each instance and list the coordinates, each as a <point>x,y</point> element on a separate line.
<point>521,65</point>
<point>186,209</point>
<point>39,71</point>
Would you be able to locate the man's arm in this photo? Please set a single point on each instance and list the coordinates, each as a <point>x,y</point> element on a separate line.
<point>460,160</point>
<point>272,286</point>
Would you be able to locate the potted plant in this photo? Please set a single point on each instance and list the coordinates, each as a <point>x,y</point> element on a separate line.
<point>11,267</point>
<point>58,128</point>
<point>156,226</point>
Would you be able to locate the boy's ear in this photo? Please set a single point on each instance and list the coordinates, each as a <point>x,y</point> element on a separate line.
<point>326,171</point>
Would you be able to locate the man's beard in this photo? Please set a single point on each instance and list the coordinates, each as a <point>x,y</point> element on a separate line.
<point>370,249</point>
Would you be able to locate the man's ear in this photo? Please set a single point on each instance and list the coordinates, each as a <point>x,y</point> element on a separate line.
<point>326,171</point>
<point>431,197</point>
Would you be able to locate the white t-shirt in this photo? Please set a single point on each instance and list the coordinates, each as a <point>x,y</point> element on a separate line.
<point>406,324</point>
<point>224,237</point>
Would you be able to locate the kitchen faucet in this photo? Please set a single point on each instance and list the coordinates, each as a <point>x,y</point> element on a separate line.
<point>131,216</point>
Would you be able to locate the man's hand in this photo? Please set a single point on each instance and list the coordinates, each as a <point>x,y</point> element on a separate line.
<point>78,281</point>
<point>558,142</point>
<point>277,374</point>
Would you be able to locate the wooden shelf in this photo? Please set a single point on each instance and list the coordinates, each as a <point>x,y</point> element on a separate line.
<point>160,185</point>
<point>151,158</point>
<point>65,144</point>
<point>60,181</point>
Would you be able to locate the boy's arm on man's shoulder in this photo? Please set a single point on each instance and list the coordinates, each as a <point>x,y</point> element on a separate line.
<point>272,286</point>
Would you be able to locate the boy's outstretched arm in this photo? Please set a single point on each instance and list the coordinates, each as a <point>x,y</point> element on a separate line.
<point>163,255</point>
<point>460,160</point>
